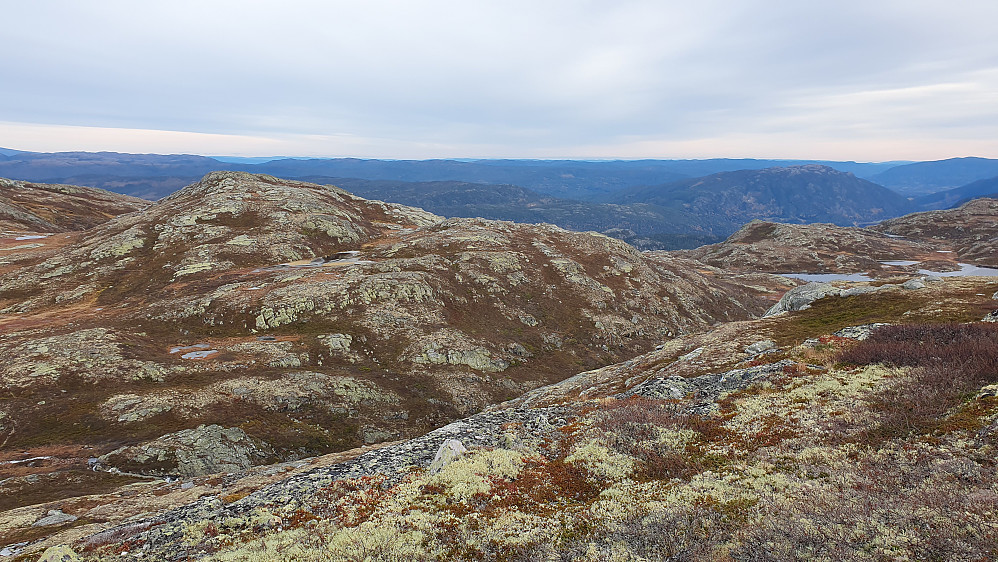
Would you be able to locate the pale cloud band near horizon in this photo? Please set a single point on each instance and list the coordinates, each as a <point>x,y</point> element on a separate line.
<point>850,80</point>
<point>61,138</point>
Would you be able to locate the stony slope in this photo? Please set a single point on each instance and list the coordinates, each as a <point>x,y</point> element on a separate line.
<point>971,230</point>
<point>35,207</point>
<point>247,319</point>
<point>761,440</point>
<point>818,248</point>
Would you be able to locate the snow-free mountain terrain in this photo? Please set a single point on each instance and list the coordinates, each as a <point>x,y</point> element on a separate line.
<point>265,369</point>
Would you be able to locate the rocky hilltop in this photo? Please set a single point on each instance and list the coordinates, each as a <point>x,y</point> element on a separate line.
<point>488,390</point>
<point>761,246</point>
<point>48,208</point>
<point>247,320</point>
<point>970,229</point>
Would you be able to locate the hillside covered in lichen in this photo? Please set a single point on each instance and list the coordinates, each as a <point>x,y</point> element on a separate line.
<point>261,369</point>
<point>799,436</point>
<point>248,320</point>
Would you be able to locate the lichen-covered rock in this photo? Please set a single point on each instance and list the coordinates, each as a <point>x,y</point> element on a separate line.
<point>191,452</point>
<point>864,290</point>
<point>860,333</point>
<point>54,517</point>
<point>61,553</point>
<point>800,298</point>
<point>477,358</point>
<point>704,389</point>
<point>760,346</point>
<point>449,451</point>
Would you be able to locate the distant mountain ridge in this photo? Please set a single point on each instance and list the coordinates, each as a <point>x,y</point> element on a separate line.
<point>959,195</point>
<point>795,194</point>
<point>653,204</point>
<point>921,178</point>
<point>644,226</point>
<point>573,179</point>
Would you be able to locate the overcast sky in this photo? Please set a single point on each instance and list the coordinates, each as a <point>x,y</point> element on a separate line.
<point>869,80</point>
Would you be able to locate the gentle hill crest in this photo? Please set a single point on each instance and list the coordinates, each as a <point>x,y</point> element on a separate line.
<point>35,207</point>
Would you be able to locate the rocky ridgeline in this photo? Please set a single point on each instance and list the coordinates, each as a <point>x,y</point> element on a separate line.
<point>400,324</point>
<point>226,220</point>
<point>38,207</point>
<point>971,230</point>
<point>309,321</point>
<point>801,298</point>
<point>812,248</point>
<point>164,533</point>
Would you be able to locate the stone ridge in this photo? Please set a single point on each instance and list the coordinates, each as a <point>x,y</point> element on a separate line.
<point>509,428</point>
<point>49,208</point>
<point>316,322</point>
<point>971,230</point>
<point>768,388</point>
<point>705,389</point>
<point>814,248</point>
<point>485,430</point>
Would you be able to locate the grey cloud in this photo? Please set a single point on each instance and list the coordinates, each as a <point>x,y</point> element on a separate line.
<point>507,75</point>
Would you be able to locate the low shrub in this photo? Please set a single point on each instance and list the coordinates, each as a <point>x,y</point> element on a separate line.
<point>949,363</point>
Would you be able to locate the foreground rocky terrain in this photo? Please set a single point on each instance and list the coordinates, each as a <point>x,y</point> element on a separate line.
<point>258,369</point>
<point>247,320</point>
<point>825,433</point>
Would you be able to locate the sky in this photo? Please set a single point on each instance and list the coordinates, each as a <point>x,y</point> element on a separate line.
<point>871,80</point>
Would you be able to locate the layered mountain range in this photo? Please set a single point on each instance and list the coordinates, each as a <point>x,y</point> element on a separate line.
<point>256,368</point>
<point>651,204</point>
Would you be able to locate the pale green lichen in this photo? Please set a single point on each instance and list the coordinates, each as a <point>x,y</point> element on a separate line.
<point>242,240</point>
<point>601,462</point>
<point>472,474</point>
<point>120,244</point>
<point>193,268</point>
